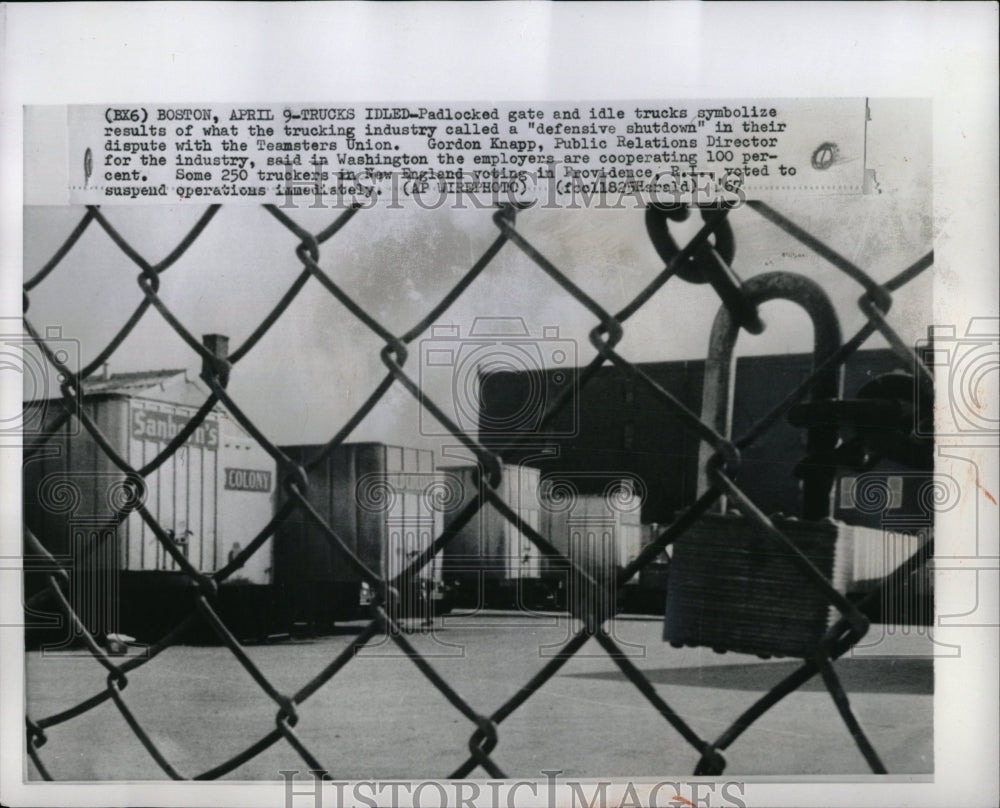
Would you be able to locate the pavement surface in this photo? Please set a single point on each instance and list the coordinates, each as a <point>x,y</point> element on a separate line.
<point>381,718</point>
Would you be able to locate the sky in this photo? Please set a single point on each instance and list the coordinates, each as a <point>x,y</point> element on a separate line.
<point>318,363</point>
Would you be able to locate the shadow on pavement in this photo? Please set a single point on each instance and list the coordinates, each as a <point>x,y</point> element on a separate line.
<point>858,675</point>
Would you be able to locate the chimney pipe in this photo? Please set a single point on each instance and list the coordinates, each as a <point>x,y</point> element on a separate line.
<point>218,346</point>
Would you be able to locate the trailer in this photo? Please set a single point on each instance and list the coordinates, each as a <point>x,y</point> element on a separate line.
<point>648,594</point>
<point>383,503</point>
<point>889,514</point>
<point>491,563</point>
<point>599,533</point>
<point>211,497</point>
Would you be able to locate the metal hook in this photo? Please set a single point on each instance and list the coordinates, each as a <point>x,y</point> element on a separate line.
<point>720,371</point>
<point>709,263</point>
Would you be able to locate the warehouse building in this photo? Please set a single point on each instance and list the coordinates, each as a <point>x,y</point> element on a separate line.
<point>212,496</point>
<point>615,426</point>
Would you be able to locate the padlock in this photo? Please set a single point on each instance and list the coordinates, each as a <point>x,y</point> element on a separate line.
<point>731,586</point>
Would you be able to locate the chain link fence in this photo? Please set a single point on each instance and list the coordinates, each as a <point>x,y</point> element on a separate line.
<point>698,256</point>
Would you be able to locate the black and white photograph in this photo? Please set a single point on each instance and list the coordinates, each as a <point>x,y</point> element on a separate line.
<point>558,445</point>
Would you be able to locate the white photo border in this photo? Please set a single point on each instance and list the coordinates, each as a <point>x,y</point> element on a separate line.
<point>186,52</point>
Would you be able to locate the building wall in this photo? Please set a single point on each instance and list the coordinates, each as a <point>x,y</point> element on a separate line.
<point>246,484</point>
<point>73,482</point>
<point>182,493</point>
<point>615,426</point>
<point>69,479</point>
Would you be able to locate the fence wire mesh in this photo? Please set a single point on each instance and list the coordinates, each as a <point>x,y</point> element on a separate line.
<point>312,253</point>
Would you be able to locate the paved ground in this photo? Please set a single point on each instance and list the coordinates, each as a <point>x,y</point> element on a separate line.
<point>380,717</point>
